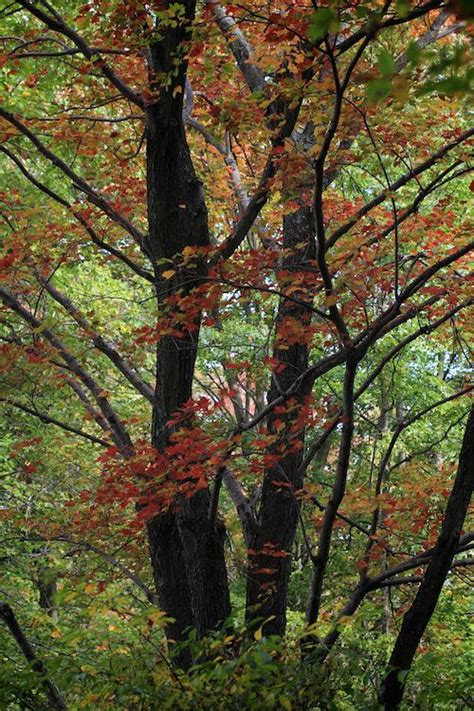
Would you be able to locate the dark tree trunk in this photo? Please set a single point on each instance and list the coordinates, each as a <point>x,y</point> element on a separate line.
<point>46,583</point>
<point>270,562</point>
<point>187,548</point>
<point>423,606</point>
<point>171,580</point>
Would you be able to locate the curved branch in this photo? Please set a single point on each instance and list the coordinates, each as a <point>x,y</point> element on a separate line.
<point>91,232</point>
<point>100,343</point>
<point>396,185</point>
<point>120,434</point>
<point>48,420</point>
<point>93,195</point>
<point>56,23</point>
<point>337,495</point>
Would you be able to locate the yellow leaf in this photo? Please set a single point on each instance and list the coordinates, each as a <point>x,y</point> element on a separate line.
<point>156,615</point>
<point>259,634</point>
<point>89,588</point>
<point>344,621</point>
<point>286,703</point>
<point>168,274</point>
<point>400,89</point>
<point>55,634</point>
<point>177,90</point>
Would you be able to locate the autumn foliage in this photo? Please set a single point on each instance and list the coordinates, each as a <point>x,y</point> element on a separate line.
<point>234,353</point>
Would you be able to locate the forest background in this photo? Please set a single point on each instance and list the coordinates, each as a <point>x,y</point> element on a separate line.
<point>237,444</point>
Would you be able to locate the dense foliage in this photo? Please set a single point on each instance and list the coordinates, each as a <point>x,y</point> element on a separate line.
<point>237,443</point>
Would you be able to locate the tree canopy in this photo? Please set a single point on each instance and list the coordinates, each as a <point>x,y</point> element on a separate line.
<point>237,439</point>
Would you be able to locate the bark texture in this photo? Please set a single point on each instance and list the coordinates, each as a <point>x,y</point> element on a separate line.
<point>270,556</point>
<point>187,548</point>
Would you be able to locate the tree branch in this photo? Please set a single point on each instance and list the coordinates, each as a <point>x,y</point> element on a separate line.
<point>239,46</point>
<point>418,616</point>
<point>56,23</point>
<point>54,695</point>
<point>93,195</point>
<point>48,420</point>
<point>396,185</point>
<point>120,434</point>
<point>91,232</point>
<point>100,343</point>
<point>337,494</point>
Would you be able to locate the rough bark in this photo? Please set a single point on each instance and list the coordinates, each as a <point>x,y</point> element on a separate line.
<point>187,549</point>
<point>270,557</point>
<point>423,606</point>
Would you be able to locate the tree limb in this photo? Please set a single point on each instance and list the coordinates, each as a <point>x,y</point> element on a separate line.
<point>54,695</point>
<point>100,343</point>
<point>120,434</point>
<point>48,420</point>
<point>56,23</point>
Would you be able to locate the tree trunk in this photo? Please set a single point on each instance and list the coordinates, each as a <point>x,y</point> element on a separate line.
<point>46,582</point>
<point>423,606</point>
<point>270,552</point>
<point>187,548</point>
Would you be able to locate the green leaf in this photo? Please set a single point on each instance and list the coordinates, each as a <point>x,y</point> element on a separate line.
<point>362,11</point>
<point>402,7</point>
<point>413,52</point>
<point>378,90</point>
<point>386,63</point>
<point>322,21</point>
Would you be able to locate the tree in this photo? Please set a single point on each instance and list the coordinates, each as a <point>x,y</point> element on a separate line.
<point>311,185</point>
<point>419,614</point>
